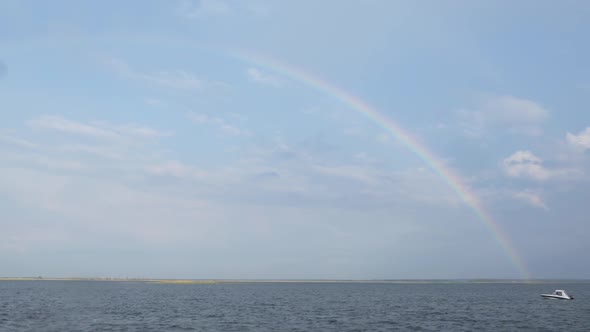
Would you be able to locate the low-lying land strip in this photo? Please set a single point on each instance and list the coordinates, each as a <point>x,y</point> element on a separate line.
<point>250,281</point>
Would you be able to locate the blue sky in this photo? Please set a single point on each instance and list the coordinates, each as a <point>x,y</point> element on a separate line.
<point>136,141</point>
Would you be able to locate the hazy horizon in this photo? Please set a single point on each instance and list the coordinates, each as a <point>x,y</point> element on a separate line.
<point>220,139</point>
<point>262,280</point>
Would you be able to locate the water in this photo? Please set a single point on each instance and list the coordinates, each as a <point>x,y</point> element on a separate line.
<point>126,306</point>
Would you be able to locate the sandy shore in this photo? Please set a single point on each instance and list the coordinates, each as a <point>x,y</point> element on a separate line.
<point>248,281</point>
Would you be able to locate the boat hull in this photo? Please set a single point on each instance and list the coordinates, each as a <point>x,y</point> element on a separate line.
<point>556,297</point>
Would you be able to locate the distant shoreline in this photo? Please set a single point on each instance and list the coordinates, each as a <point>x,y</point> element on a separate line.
<point>252,281</point>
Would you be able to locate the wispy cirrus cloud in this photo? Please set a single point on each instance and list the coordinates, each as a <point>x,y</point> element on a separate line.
<point>289,176</point>
<point>501,196</point>
<point>530,197</point>
<point>517,115</point>
<point>17,141</point>
<point>258,76</point>
<point>62,144</point>
<point>171,167</point>
<point>52,163</point>
<point>108,152</point>
<point>97,130</point>
<point>173,79</point>
<point>223,125</point>
<point>61,124</point>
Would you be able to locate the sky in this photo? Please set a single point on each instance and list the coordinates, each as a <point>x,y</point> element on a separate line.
<point>219,139</point>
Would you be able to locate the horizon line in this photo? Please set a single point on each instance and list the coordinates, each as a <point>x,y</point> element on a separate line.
<point>465,279</point>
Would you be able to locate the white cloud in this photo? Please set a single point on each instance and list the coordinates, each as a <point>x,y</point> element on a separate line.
<point>512,110</point>
<point>73,145</point>
<point>109,152</point>
<point>172,167</point>
<point>37,160</point>
<point>102,205</point>
<point>287,176</point>
<point>517,115</point>
<point>193,208</point>
<point>230,130</point>
<point>355,173</point>
<point>258,76</point>
<point>581,140</point>
<point>174,79</point>
<point>18,141</point>
<point>525,164</point>
<point>221,124</point>
<point>203,8</point>
<point>98,130</point>
<point>61,124</point>
<point>140,131</point>
<point>531,198</point>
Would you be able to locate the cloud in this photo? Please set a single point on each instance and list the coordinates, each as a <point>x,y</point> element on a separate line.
<point>230,130</point>
<point>172,205</point>
<point>355,173</point>
<point>297,177</point>
<point>203,8</point>
<point>524,164</point>
<point>172,167</point>
<point>221,124</point>
<point>580,141</point>
<point>97,130</point>
<point>63,145</point>
<point>108,152</point>
<point>140,131</point>
<point>512,110</point>
<point>174,79</point>
<point>17,141</point>
<point>60,164</point>
<point>258,76</point>
<point>518,115</point>
<point>531,198</point>
<point>101,205</point>
<point>58,123</point>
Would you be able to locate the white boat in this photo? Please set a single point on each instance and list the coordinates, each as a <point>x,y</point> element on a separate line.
<point>559,294</point>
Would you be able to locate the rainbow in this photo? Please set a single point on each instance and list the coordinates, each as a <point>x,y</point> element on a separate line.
<point>403,136</point>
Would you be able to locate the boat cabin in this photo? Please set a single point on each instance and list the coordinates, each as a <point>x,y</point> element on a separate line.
<point>558,294</point>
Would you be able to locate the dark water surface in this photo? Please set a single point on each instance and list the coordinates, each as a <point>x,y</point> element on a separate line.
<point>128,306</point>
